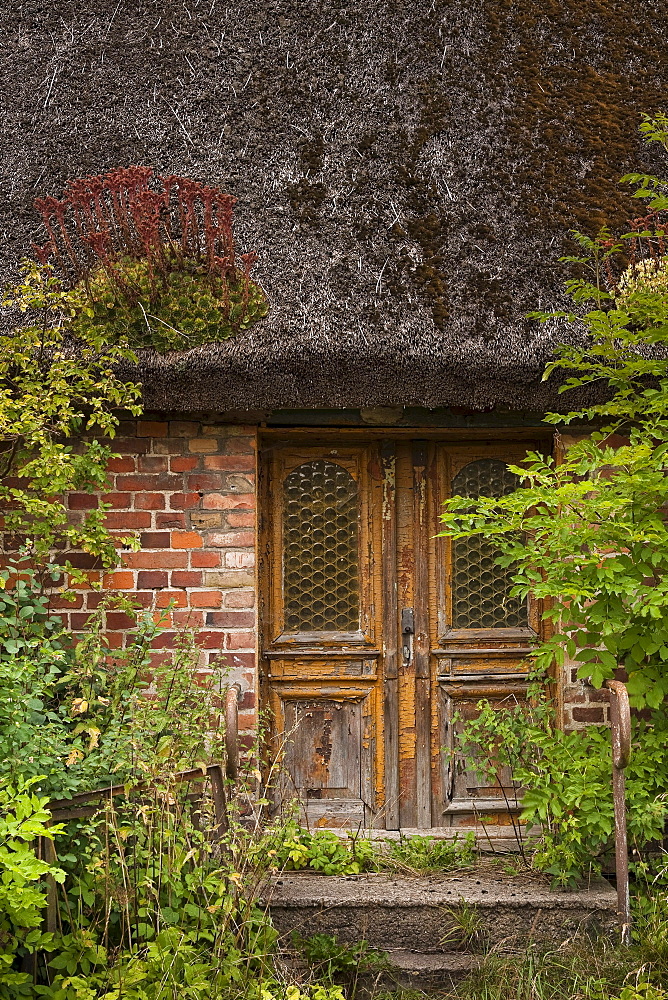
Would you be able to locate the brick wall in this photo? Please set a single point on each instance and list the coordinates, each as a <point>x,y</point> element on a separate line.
<point>583,704</point>
<point>187,488</point>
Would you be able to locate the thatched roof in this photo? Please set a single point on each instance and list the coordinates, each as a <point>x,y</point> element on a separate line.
<point>407,171</point>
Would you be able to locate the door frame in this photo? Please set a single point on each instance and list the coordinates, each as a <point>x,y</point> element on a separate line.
<point>424,514</point>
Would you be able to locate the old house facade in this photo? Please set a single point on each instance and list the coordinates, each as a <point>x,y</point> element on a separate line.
<point>407,174</point>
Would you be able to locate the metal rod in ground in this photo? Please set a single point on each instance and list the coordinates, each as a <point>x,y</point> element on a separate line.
<point>620,720</point>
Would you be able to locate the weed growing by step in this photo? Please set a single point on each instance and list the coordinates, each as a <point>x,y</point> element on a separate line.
<point>329,853</point>
<point>347,965</point>
<point>424,856</point>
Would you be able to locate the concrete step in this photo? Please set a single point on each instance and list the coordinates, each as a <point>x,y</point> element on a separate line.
<point>438,914</point>
<point>418,970</point>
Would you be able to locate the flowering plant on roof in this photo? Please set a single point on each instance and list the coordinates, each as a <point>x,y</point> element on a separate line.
<point>150,259</point>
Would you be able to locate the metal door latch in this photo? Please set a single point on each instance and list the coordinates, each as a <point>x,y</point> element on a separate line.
<point>407,632</point>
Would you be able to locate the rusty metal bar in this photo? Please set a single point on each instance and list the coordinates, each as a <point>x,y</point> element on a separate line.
<point>620,720</point>
<point>232,697</point>
<point>219,801</point>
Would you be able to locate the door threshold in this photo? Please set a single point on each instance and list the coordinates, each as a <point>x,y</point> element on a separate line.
<point>490,840</point>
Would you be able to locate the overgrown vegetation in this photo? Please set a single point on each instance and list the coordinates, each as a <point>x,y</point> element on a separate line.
<point>149,260</point>
<point>588,535</point>
<point>59,410</point>
<point>157,902</point>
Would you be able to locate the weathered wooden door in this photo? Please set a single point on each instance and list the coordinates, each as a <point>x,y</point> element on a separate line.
<point>378,636</point>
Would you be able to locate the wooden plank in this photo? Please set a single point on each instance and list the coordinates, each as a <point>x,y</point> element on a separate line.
<point>406,679</point>
<point>390,635</point>
<point>421,641</point>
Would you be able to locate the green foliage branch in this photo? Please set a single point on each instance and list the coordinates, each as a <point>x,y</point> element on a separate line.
<point>59,410</point>
<point>588,534</point>
<point>23,818</point>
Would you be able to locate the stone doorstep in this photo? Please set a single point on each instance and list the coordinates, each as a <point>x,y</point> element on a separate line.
<point>419,970</point>
<point>411,914</point>
<point>405,970</point>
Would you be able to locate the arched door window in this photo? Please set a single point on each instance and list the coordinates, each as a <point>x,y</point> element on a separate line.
<point>320,549</point>
<point>480,588</point>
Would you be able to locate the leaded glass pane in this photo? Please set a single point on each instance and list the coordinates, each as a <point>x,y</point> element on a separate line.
<point>479,587</point>
<point>320,549</point>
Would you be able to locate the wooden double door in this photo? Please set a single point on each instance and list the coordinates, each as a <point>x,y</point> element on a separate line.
<point>378,637</point>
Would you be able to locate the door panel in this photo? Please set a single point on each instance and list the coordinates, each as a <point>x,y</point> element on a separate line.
<point>481,637</point>
<point>321,628</point>
<point>379,638</point>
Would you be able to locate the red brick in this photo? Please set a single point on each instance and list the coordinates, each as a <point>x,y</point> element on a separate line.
<point>153,463</point>
<point>230,619</point>
<point>159,559</point>
<point>124,463</point>
<point>118,501</point>
<point>239,640</point>
<point>242,661</point>
<point>232,539</point>
<point>150,482</point>
<point>121,580</point>
<point>152,579</point>
<point>247,700</point>
<point>166,640</point>
<point>186,578</point>
<point>132,445</point>
<point>229,501</point>
<point>205,560</point>
<point>240,445</point>
<point>151,428</point>
<point>184,500</point>
<point>82,501</point>
<point>84,560</point>
<point>118,621</point>
<point>229,463</point>
<point>183,463</point>
<point>176,597</point>
<point>149,501</point>
<point>206,599</point>
<point>128,520</point>
<point>57,603</point>
<point>79,621</point>
<point>240,599</point>
<point>241,518</point>
<point>211,640</point>
<point>204,481</point>
<point>186,540</point>
<point>154,539</point>
<point>588,715</point>
<point>188,618</point>
<point>170,520</point>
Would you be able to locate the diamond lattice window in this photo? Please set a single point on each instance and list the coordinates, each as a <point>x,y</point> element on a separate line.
<point>480,588</point>
<point>320,549</point>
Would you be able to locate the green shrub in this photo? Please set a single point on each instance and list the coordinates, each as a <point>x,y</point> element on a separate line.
<point>189,307</point>
<point>23,818</point>
<point>566,782</point>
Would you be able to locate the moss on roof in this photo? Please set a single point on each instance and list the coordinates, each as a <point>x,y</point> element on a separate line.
<point>407,171</point>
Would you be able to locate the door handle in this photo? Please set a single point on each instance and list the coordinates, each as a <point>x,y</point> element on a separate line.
<point>407,633</point>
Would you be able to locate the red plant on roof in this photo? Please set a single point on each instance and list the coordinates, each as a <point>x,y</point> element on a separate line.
<point>172,225</point>
<point>130,211</point>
